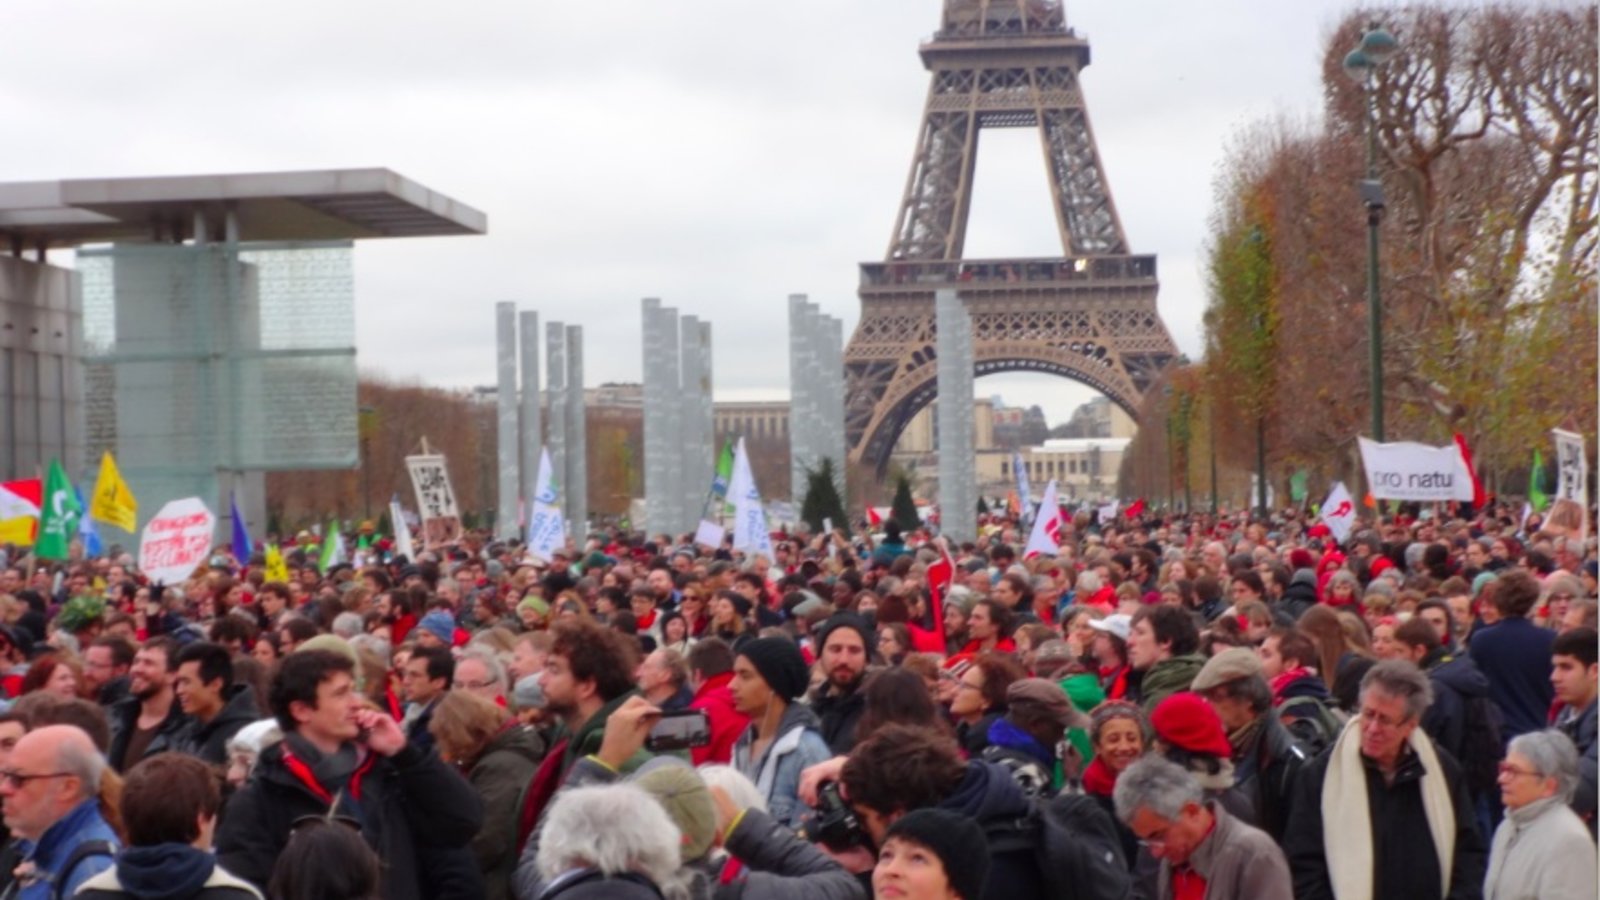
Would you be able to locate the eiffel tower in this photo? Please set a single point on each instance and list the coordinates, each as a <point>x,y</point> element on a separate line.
<point>1089,315</point>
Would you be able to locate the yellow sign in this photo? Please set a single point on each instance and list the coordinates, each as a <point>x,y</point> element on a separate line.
<point>113,503</point>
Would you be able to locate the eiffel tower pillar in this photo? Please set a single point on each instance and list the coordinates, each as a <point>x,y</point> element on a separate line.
<point>1088,315</point>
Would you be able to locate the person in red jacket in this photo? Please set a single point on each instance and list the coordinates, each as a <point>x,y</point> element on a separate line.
<point>710,670</point>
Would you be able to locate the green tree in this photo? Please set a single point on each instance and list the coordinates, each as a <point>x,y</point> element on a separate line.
<point>822,500</point>
<point>903,510</point>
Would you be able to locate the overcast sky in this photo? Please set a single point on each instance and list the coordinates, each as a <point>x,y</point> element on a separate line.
<point>720,155</point>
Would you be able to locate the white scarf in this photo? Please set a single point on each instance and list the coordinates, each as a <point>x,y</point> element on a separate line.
<point>1347,822</point>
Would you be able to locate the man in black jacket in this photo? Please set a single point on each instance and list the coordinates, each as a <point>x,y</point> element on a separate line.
<point>149,721</point>
<point>218,707</point>
<point>1266,759</point>
<point>341,758</point>
<point>846,642</point>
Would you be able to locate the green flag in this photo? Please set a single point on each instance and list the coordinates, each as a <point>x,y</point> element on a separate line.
<point>1297,486</point>
<point>723,476</point>
<point>332,548</point>
<point>1536,495</point>
<point>59,510</point>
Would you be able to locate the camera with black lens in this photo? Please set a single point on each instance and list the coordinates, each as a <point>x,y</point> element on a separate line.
<point>835,825</point>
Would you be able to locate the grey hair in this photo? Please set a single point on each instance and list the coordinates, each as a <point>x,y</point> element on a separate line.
<point>614,828</point>
<point>1552,755</point>
<point>491,664</point>
<point>1562,583</point>
<point>741,790</point>
<point>1401,678</point>
<point>1088,582</point>
<point>373,644</point>
<point>1156,784</point>
<point>347,625</point>
<point>85,761</point>
<point>1344,576</point>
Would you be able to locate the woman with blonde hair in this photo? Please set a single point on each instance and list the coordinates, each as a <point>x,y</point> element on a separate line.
<point>1341,659</point>
<point>499,757</point>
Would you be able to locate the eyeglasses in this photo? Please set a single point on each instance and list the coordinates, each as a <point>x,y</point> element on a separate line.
<point>471,685</point>
<point>19,780</point>
<point>1514,772</point>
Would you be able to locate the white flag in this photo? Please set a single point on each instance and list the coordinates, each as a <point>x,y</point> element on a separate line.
<point>402,531</point>
<point>1108,513</point>
<point>750,532</point>
<point>1045,540</point>
<point>547,533</point>
<point>1339,512</point>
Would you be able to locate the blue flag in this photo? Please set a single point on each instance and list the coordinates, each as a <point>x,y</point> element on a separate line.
<point>241,537</point>
<point>87,532</point>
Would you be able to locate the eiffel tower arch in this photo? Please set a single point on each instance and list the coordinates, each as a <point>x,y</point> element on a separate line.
<point>1088,315</point>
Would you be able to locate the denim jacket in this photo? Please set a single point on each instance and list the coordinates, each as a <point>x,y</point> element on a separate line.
<point>82,823</point>
<point>798,746</point>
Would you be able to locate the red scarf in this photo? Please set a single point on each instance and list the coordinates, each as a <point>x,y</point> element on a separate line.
<point>543,786</point>
<point>303,774</point>
<point>1098,778</point>
<point>1287,678</point>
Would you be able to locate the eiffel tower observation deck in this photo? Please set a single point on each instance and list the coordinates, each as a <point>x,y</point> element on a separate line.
<point>1089,314</point>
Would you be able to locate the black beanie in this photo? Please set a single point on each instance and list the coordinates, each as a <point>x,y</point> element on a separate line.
<point>845,619</point>
<point>780,664</point>
<point>955,839</point>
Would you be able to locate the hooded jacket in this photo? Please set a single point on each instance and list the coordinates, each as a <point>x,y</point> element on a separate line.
<point>839,713</point>
<point>1580,726</point>
<point>1168,677</point>
<point>715,699</point>
<point>797,746</point>
<point>54,850</point>
<point>1456,681</point>
<point>410,805</point>
<point>167,872</point>
<point>209,740</point>
<point>989,796</point>
<point>1299,596</point>
<point>499,775</point>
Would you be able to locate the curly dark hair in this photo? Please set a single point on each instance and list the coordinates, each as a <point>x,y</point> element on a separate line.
<point>596,653</point>
<point>899,768</point>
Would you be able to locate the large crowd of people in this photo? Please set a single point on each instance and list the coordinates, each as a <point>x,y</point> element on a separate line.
<point>1176,706</point>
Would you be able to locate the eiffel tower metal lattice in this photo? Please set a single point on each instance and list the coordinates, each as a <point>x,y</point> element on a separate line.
<point>1089,315</point>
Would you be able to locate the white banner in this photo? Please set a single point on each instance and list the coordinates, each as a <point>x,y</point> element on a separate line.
<point>1572,467</point>
<point>1108,513</point>
<point>1410,471</point>
<point>547,532</point>
<point>1024,489</point>
<point>402,532</point>
<point>750,532</point>
<point>1045,539</point>
<point>436,501</point>
<point>1339,512</point>
<point>176,541</point>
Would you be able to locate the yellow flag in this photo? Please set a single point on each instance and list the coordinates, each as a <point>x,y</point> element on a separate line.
<point>113,503</point>
<point>277,569</point>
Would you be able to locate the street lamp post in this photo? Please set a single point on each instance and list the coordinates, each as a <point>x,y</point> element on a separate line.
<point>1361,64</point>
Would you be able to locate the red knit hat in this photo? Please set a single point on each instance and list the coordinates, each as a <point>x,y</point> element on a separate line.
<point>1187,721</point>
<point>1301,558</point>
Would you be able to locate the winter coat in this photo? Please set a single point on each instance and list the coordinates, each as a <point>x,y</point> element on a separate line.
<point>1237,861</point>
<point>55,848</point>
<point>1168,677</point>
<point>209,740</point>
<point>1541,852</point>
<point>838,714</point>
<point>778,865</point>
<point>124,719</point>
<point>727,723</point>
<point>1347,675</point>
<point>1456,681</point>
<point>167,872</point>
<point>589,884</point>
<point>410,805</point>
<point>1403,851</point>
<point>797,747</point>
<point>1514,654</point>
<point>1267,772</point>
<point>1580,726</point>
<point>500,774</point>
<point>974,736</point>
<point>1299,596</point>
<point>987,795</point>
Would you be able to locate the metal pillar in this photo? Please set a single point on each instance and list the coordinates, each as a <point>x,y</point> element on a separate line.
<point>507,457</point>
<point>958,494</point>
<point>555,389</point>
<point>663,450</point>
<point>577,435</point>
<point>532,430</point>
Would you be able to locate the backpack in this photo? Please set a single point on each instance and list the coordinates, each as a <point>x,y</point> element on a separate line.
<point>1480,746</point>
<point>1312,723</point>
<point>1029,774</point>
<point>1075,843</point>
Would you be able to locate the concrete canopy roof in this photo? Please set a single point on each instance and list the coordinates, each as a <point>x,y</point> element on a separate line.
<point>333,204</point>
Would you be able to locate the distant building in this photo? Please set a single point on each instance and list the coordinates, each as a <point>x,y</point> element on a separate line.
<point>1083,468</point>
<point>1099,418</point>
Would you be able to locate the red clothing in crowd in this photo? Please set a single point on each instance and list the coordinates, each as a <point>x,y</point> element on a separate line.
<point>727,723</point>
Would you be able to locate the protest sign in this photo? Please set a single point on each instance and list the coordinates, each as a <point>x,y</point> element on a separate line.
<point>1411,471</point>
<point>176,541</point>
<point>436,501</point>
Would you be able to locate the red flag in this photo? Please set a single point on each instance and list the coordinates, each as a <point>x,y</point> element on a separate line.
<point>941,574</point>
<point>1134,509</point>
<point>1472,471</point>
<point>873,518</point>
